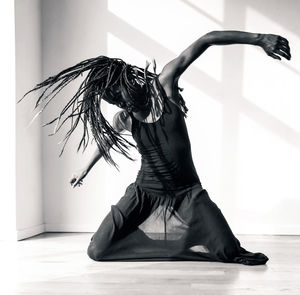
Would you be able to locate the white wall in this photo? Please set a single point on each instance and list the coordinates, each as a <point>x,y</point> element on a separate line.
<point>67,39</point>
<point>7,124</point>
<point>243,119</point>
<point>29,210</point>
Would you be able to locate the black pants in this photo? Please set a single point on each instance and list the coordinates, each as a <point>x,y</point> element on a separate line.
<point>154,225</point>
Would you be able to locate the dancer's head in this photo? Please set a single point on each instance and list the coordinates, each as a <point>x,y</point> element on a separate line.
<point>110,79</point>
<point>120,84</point>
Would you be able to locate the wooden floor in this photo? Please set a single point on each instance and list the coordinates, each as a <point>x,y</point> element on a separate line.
<point>56,263</point>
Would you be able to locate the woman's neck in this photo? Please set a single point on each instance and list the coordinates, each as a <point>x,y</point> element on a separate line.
<point>149,115</point>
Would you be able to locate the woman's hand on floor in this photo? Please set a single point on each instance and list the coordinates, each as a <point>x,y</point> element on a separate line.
<point>275,46</point>
<point>77,178</point>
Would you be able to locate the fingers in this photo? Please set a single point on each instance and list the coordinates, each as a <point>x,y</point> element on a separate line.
<point>76,182</point>
<point>283,53</point>
<point>283,48</point>
<point>284,45</point>
<point>274,56</point>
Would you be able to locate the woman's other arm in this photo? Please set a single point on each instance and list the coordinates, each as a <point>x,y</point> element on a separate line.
<point>119,124</point>
<point>77,177</point>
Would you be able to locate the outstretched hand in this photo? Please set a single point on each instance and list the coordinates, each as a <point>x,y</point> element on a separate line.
<point>78,177</point>
<point>275,46</point>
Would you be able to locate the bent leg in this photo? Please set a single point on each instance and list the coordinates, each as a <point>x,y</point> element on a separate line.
<point>124,218</point>
<point>209,228</point>
<point>219,238</point>
<point>108,231</point>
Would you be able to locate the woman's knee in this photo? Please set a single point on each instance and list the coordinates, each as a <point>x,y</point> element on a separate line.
<point>95,253</point>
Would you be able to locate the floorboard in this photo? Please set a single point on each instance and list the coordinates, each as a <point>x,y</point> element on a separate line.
<point>56,263</point>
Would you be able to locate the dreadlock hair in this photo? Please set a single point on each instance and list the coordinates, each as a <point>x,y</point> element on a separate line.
<point>106,78</point>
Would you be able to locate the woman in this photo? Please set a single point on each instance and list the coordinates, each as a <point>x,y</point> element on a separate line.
<point>165,214</point>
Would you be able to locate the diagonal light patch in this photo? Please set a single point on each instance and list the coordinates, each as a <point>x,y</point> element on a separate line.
<point>150,47</point>
<point>215,6</point>
<point>194,76</point>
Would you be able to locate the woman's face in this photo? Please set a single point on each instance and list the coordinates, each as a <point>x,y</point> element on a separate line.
<point>113,95</point>
<point>119,96</point>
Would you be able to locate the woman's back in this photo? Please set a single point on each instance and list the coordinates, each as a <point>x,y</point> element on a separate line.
<point>165,149</point>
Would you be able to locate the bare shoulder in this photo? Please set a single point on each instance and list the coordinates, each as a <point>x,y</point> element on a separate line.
<point>122,121</point>
<point>172,70</point>
<point>169,84</point>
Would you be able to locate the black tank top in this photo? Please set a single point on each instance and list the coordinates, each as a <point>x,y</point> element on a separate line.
<point>165,148</point>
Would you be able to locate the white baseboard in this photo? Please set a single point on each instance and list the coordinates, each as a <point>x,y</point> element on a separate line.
<point>267,230</point>
<point>59,227</point>
<point>243,230</point>
<point>30,231</point>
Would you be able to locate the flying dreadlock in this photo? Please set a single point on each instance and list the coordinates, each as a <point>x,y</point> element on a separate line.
<point>104,80</point>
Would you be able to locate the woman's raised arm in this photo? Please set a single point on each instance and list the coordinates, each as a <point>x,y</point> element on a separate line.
<point>274,45</point>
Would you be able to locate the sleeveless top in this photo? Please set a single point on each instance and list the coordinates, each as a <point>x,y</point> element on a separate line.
<point>165,148</point>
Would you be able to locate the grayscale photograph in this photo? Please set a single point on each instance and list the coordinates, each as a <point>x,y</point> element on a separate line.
<point>150,147</point>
